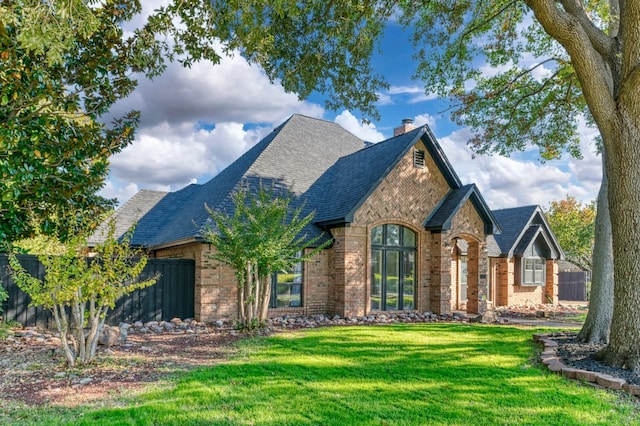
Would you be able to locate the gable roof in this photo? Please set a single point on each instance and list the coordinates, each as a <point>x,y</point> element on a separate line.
<point>441,217</point>
<point>521,226</point>
<point>347,185</point>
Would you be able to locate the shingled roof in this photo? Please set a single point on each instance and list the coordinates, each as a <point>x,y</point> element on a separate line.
<point>520,227</point>
<point>440,219</point>
<point>128,214</point>
<point>294,155</point>
<point>327,168</point>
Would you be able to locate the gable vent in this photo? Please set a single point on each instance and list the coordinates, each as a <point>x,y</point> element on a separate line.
<point>418,158</point>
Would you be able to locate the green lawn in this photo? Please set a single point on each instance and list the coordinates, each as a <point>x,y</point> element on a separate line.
<point>419,374</point>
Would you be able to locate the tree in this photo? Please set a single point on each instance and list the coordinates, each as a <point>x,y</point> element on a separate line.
<point>63,64</point>
<point>597,326</point>
<point>87,288</point>
<point>573,224</point>
<point>262,234</point>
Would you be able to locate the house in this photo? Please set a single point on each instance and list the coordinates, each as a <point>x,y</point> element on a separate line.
<point>406,234</point>
<point>523,260</point>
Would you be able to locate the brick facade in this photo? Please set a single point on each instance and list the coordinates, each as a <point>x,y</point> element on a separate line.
<point>511,294</point>
<point>338,279</point>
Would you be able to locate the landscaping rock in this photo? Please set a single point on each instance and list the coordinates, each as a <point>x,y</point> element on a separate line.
<point>109,336</point>
<point>489,317</point>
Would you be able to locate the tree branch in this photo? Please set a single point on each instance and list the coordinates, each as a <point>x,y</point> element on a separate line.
<point>592,69</point>
<point>604,44</point>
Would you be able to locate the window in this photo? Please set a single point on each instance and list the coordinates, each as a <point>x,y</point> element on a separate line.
<point>418,158</point>
<point>533,271</point>
<point>393,268</point>
<point>286,288</point>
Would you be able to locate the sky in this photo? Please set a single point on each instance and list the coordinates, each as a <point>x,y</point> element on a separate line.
<point>197,121</point>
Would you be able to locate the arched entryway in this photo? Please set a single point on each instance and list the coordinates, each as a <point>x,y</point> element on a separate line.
<point>459,274</point>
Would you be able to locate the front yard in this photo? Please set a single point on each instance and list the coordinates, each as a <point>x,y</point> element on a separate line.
<point>436,374</point>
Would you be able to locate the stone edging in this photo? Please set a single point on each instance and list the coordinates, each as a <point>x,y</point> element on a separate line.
<point>550,358</point>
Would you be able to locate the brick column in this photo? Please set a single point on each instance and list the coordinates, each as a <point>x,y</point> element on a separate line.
<point>350,271</point>
<point>551,282</point>
<point>477,283</point>
<point>440,289</point>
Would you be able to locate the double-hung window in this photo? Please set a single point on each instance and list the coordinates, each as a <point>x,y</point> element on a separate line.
<point>533,271</point>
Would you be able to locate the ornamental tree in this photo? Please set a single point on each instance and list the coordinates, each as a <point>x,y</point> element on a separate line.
<point>261,234</point>
<point>87,288</point>
<point>573,224</point>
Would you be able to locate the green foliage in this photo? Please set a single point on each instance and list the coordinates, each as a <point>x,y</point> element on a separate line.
<point>63,64</point>
<point>88,287</point>
<point>511,103</point>
<point>328,46</point>
<point>574,226</point>
<point>54,150</point>
<point>262,234</point>
<point>3,296</point>
<point>315,45</point>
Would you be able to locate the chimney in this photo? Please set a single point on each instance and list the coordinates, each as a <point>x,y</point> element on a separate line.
<point>407,125</point>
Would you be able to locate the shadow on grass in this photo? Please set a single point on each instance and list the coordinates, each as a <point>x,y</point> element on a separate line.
<point>436,374</point>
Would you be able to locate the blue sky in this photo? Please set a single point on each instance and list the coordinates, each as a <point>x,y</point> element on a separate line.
<point>197,121</point>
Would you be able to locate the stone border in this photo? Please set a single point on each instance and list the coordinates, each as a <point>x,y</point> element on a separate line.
<point>550,358</point>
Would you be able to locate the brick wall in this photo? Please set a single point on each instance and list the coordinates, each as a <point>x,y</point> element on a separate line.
<point>511,294</point>
<point>551,282</point>
<point>406,197</point>
<point>350,269</point>
<point>216,284</point>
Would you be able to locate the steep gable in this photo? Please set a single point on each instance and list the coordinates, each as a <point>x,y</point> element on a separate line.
<point>349,184</point>
<point>442,216</point>
<point>522,227</point>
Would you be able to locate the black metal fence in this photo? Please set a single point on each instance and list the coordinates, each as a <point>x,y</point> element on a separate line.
<point>572,286</point>
<point>171,296</point>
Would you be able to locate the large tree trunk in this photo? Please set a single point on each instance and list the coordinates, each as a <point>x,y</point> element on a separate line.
<point>623,171</point>
<point>598,323</point>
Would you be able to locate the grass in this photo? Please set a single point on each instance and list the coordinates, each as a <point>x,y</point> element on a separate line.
<point>419,374</point>
<point>577,318</point>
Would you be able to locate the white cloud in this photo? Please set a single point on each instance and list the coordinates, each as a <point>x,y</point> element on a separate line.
<point>413,94</point>
<point>197,121</point>
<point>422,119</point>
<point>233,90</point>
<point>365,131</point>
<point>510,182</point>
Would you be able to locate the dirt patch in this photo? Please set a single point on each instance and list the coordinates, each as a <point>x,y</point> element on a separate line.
<point>33,369</point>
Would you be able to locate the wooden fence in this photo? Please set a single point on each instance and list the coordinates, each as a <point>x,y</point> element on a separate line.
<point>572,286</point>
<point>171,296</point>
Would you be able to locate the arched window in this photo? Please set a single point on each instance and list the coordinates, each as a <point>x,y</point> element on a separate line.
<point>393,268</point>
